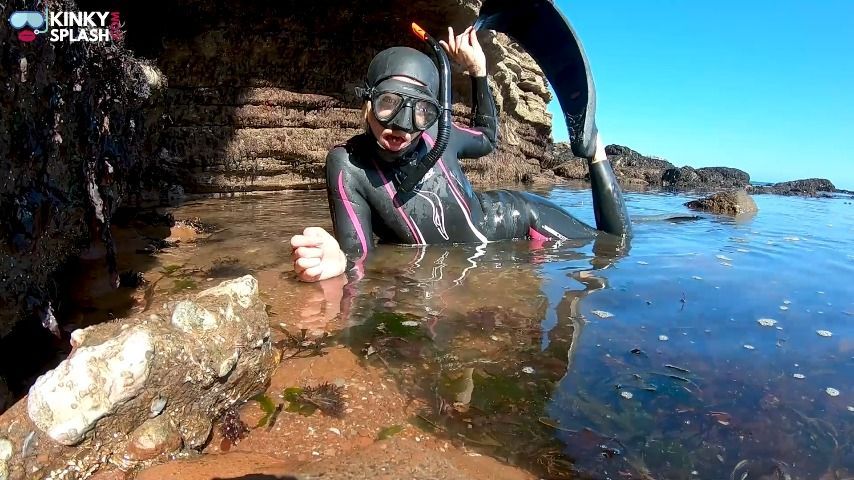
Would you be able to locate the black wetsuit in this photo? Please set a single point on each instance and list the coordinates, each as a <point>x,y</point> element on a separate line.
<point>364,199</point>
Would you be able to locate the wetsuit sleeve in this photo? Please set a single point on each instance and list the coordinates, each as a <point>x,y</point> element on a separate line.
<point>608,204</point>
<point>481,138</point>
<point>351,214</point>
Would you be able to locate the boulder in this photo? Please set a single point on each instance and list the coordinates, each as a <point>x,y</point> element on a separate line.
<point>809,187</point>
<point>633,168</point>
<point>136,390</point>
<point>733,202</point>
<point>687,178</point>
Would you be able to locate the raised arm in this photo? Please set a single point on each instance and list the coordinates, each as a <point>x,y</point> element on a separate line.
<point>608,204</point>
<point>481,137</point>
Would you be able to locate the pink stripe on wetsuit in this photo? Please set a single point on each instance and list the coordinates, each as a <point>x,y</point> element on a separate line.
<point>457,194</point>
<point>352,214</point>
<point>413,229</point>
<point>468,130</point>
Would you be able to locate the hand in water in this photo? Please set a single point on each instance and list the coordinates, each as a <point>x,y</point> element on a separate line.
<point>465,50</point>
<point>317,255</point>
<point>322,305</point>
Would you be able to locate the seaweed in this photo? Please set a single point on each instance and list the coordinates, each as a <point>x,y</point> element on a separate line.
<point>326,397</point>
<point>301,345</point>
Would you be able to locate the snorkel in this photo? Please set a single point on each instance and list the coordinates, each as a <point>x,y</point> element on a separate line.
<point>410,177</point>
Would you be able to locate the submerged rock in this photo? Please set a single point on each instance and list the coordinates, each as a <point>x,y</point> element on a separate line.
<point>734,202</point>
<point>135,390</point>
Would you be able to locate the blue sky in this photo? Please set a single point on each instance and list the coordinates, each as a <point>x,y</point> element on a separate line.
<point>764,86</point>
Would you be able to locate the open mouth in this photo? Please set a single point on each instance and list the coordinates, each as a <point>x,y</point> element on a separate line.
<point>396,141</point>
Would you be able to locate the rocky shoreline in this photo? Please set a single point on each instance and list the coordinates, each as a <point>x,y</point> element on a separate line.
<point>635,170</point>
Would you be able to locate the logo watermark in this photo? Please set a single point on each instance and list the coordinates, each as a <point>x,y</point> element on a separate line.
<point>67,26</point>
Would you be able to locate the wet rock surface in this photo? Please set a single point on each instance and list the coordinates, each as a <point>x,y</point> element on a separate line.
<point>77,128</point>
<point>734,202</point>
<point>133,391</point>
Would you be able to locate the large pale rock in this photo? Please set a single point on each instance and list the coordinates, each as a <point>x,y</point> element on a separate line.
<point>5,455</point>
<point>133,391</point>
<point>68,400</point>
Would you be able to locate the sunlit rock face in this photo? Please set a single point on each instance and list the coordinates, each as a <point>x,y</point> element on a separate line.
<point>258,92</point>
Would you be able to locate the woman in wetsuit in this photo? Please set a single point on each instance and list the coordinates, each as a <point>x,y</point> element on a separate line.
<point>364,175</point>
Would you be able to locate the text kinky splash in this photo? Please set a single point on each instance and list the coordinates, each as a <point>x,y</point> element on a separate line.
<point>83,26</point>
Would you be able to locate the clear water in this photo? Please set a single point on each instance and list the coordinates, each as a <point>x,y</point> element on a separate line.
<point>568,360</point>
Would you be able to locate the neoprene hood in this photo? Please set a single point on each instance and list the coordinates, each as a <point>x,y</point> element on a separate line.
<point>407,62</point>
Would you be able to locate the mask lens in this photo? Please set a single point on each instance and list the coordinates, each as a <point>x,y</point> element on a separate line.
<point>386,105</point>
<point>425,114</point>
<point>21,19</point>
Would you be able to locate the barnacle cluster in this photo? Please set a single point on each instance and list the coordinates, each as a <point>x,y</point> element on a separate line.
<point>232,427</point>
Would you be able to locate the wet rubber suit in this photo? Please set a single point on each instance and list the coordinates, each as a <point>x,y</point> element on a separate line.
<point>364,199</point>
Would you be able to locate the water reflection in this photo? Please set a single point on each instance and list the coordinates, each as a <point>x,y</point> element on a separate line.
<point>479,336</point>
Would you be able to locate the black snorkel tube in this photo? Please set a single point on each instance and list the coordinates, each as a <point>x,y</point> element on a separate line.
<point>410,177</point>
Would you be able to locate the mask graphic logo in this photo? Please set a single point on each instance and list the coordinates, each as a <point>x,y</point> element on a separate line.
<point>28,22</point>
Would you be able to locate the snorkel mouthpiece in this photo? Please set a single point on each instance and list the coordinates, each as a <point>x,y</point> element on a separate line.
<point>410,178</point>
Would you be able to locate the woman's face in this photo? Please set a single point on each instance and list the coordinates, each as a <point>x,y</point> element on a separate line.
<point>392,140</point>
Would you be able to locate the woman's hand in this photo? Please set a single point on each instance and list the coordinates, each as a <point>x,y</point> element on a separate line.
<point>465,50</point>
<point>317,255</point>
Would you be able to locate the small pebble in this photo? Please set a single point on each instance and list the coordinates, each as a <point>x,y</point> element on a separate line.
<point>824,333</point>
<point>409,323</point>
<point>767,322</point>
<point>335,431</point>
<point>832,392</point>
<point>799,376</point>
<point>749,347</point>
<point>626,395</point>
<point>494,338</point>
<point>602,314</point>
<point>663,338</point>
<point>528,370</point>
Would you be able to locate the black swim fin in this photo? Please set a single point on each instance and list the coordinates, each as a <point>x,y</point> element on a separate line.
<point>542,30</point>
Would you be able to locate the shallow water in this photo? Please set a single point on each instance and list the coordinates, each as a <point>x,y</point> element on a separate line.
<point>571,360</point>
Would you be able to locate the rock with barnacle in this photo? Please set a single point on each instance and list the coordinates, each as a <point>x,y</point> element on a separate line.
<point>138,389</point>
